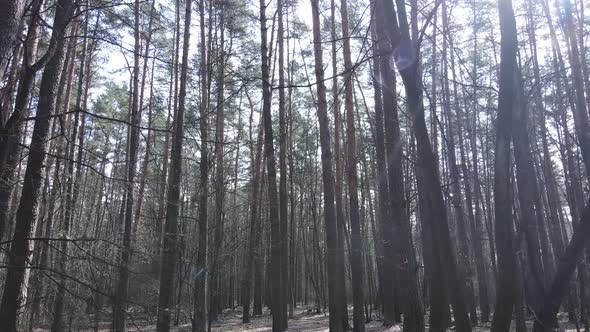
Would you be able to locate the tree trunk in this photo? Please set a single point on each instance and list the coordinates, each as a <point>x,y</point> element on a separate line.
<point>506,247</point>
<point>215,290</point>
<point>122,287</point>
<point>170,237</point>
<point>283,194</point>
<point>408,65</point>
<point>561,282</point>
<point>255,229</point>
<point>341,221</point>
<point>269,151</point>
<point>57,324</point>
<point>334,273</point>
<point>385,251</point>
<point>466,271</point>
<point>199,323</point>
<point>26,215</point>
<point>148,145</point>
<point>10,25</point>
<point>358,295</point>
<point>11,131</point>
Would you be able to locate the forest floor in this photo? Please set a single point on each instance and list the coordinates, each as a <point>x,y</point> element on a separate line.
<point>304,319</point>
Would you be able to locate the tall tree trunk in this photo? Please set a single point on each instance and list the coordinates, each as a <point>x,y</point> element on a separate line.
<point>398,251</point>
<point>341,221</point>
<point>170,237</point>
<point>26,215</point>
<point>215,290</point>
<point>384,250</point>
<point>476,217</point>
<point>283,194</point>
<point>527,193</point>
<point>61,107</point>
<point>334,273</point>
<point>429,187</point>
<point>122,287</point>
<point>358,295</point>
<point>199,323</point>
<point>507,266</point>
<point>148,146</point>
<point>11,132</point>
<point>57,324</point>
<point>269,152</point>
<point>466,271</point>
<point>254,239</point>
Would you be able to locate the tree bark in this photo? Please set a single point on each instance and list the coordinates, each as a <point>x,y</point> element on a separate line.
<point>505,244</point>
<point>340,219</point>
<point>269,151</point>
<point>10,25</point>
<point>57,324</point>
<point>215,290</point>
<point>406,60</point>
<point>26,215</point>
<point>255,229</point>
<point>122,287</point>
<point>199,323</point>
<point>546,318</point>
<point>334,273</point>
<point>283,194</point>
<point>170,237</point>
<point>358,295</point>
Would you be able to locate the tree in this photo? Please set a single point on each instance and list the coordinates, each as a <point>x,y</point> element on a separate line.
<point>283,194</point>
<point>10,23</point>
<point>199,323</point>
<point>119,307</point>
<point>26,215</point>
<point>334,274</point>
<point>406,61</point>
<point>505,244</point>
<point>269,154</point>
<point>170,237</point>
<point>356,260</point>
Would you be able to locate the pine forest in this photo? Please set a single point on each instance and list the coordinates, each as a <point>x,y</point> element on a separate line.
<point>294,165</point>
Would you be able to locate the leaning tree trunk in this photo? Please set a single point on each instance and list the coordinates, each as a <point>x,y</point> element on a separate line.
<point>578,242</point>
<point>398,250</point>
<point>429,185</point>
<point>561,282</point>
